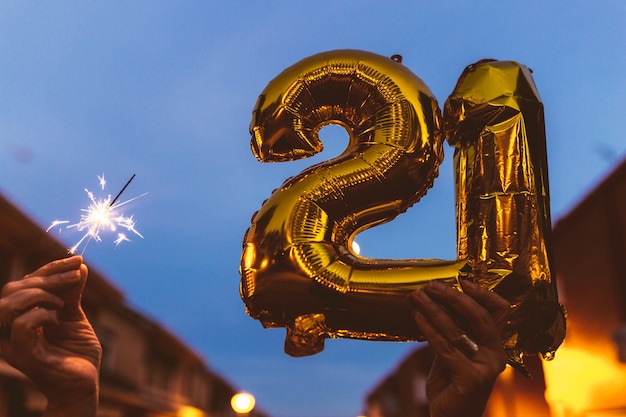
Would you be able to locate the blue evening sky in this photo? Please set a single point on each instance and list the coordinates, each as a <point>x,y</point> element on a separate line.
<point>165,89</point>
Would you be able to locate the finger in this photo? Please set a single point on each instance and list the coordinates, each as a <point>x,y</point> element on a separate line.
<point>72,309</point>
<point>20,302</point>
<point>441,339</point>
<point>440,344</point>
<point>26,326</point>
<point>488,299</point>
<point>58,266</point>
<point>54,283</point>
<point>26,349</point>
<point>498,307</point>
<point>436,320</point>
<point>473,314</point>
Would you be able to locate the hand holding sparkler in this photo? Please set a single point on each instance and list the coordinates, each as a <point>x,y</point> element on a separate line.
<point>47,336</point>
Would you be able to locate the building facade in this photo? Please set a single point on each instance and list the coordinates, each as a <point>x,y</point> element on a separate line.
<point>146,371</point>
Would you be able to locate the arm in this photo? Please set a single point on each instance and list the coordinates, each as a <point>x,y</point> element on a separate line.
<point>463,329</point>
<point>50,339</point>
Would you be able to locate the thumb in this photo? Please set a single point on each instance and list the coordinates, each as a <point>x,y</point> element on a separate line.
<point>72,310</point>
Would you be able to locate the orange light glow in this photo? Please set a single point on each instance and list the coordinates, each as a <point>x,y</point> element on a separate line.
<point>579,380</point>
<point>188,411</point>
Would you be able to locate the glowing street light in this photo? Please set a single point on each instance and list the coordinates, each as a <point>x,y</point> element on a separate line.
<point>242,402</point>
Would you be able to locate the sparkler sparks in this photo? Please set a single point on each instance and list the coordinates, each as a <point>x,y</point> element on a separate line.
<point>102,214</point>
<point>103,182</point>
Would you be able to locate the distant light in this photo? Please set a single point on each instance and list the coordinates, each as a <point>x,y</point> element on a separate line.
<point>188,411</point>
<point>356,248</point>
<point>242,402</point>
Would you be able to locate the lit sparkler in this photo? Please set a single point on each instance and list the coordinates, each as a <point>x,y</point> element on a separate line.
<point>102,214</point>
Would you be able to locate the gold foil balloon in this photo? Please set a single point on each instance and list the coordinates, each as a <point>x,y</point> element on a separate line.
<point>298,268</point>
<point>494,120</point>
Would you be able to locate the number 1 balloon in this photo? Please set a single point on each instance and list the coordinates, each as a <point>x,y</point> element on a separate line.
<point>298,268</point>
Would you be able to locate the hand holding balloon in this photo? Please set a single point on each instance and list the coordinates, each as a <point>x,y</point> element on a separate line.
<point>464,330</point>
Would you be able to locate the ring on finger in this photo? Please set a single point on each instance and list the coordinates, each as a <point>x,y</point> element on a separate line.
<point>466,345</point>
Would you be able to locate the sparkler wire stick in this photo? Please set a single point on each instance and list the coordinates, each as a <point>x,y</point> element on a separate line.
<point>122,190</point>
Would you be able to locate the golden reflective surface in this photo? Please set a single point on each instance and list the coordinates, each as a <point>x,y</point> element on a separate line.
<point>494,119</point>
<point>298,268</point>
